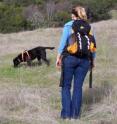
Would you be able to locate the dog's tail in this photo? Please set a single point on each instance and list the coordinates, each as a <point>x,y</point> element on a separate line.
<point>51,48</point>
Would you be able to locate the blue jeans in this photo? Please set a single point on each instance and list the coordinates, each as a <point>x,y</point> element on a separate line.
<point>76,68</point>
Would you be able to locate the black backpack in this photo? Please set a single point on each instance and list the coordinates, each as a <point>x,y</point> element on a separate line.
<point>81,42</point>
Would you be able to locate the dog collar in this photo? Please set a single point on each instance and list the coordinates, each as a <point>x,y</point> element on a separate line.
<point>26,54</point>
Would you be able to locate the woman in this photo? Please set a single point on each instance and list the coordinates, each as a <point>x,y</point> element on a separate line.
<point>73,67</point>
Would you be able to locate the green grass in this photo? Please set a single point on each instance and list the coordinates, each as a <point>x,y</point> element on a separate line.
<point>99,103</point>
<point>113,14</point>
<point>47,77</point>
<point>34,75</point>
<point>13,122</point>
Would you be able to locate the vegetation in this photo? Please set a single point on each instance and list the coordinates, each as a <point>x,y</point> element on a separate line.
<point>11,19</point>
<point>18,15</point>
<point>31,95</point>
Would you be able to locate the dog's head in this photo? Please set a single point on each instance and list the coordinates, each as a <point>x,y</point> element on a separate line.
<point>16,62</point>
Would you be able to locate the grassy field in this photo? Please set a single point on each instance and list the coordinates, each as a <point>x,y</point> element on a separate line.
<point>31,95</point>
<point>113,14</point>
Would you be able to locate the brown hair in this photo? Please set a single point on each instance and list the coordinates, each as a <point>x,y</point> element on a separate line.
<point>80,12</point>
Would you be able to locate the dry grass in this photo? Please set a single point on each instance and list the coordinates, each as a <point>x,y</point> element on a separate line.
<point>23,104</point>
<point>16,42</point>
<point>31,95</point>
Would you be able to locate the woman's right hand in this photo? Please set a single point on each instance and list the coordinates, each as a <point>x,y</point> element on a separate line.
<point>58,61</point>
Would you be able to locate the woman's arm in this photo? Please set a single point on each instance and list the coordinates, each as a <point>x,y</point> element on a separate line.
<point>62,44</point>
<point>63,40</point>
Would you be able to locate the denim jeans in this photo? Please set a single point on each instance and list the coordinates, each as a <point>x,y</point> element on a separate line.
<point>76,68</point>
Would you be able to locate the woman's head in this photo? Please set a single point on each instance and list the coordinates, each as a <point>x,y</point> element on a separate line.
<point>79,12</point>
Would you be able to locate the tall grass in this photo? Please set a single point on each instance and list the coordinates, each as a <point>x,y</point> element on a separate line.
<point>31,95</point>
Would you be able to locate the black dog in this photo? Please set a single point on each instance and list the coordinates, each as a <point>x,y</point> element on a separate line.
<point>28,56</point>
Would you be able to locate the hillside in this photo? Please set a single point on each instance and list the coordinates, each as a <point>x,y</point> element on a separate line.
<point>31,95</point>
<point>24,15</point>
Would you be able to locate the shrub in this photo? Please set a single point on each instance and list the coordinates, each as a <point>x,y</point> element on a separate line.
<point>62,17</point>
<point>18,15</point>
<point>11,19</point>
<point>98,8</point>
<point>38,2</point>
<point>34,16</point>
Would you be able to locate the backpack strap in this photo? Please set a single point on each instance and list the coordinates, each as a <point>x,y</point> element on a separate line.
<point>79,40</point>
<point>88,42</point>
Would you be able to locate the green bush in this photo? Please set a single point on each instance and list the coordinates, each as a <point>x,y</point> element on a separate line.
<point>98,8</point>
<point>18,2</point>
<point>11,19</point>
<point>22,2</point>
<point>38,2</point>
<point>62,17</point>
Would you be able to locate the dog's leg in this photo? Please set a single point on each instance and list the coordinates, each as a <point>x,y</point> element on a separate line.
<point>39,60</point>
<point>28,62</point>
<point>43,57</point>
<point>47,61</point>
